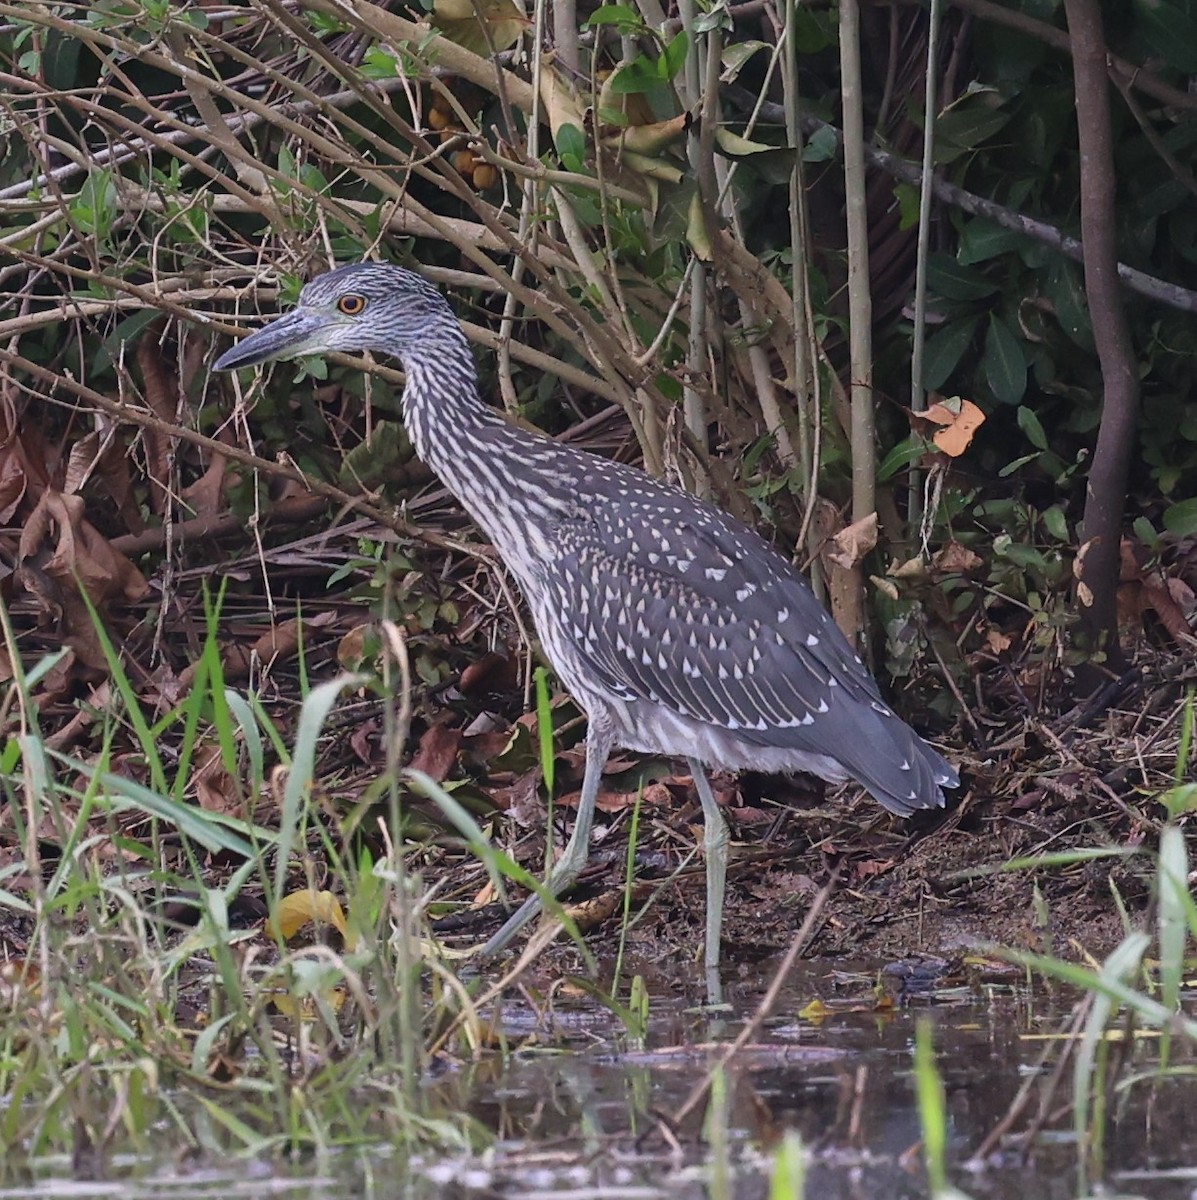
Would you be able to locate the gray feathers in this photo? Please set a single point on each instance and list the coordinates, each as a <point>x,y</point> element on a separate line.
<point>669,621</point>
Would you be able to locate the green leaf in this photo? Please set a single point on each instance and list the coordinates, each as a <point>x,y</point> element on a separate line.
<point>1171,30</point>
<point>124,335</point>
<point>1181,519</point>
<point>639,75</point>
<point>903,455</point>
<point>736,55</point>
<point>909,201</point>
<point>615,14</point>
<point>1145,532</point>
<point>1004,546</point>
<point>1056,523</point>
<point>93,209</point>
<point>953,281</point>
<point>821,146</point>
<point>812,32</point>
<point>1003,364</point>
<point>944,350</point>
<point>571,147</point>
<point>674,58</point>
<point>1066,291</point>
<point>1030,424</point>
<point>981,240</point>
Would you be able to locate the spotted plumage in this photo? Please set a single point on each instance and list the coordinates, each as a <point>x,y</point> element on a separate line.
<point>677,628</point>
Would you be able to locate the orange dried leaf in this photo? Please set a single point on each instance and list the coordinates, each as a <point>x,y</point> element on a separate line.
<point>959,420</point>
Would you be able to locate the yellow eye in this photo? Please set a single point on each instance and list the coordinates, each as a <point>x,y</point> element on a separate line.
<point>352,305</point>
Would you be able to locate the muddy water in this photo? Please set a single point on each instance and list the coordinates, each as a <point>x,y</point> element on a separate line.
<point>592,1112</point>
<point>580,1109</point>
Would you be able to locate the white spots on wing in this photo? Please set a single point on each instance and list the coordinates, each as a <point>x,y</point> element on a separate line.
<point>783,615</point>
<point>821,707</point>
<point>796,722</point>
<point>742,593</point>
<point>880,708</point>
<point>717,574</point>
<point>812,640</point>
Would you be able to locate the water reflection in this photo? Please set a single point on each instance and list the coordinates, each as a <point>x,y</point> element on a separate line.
<point>579,1108</point>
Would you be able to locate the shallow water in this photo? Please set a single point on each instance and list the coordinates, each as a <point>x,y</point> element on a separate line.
<point>584,1110</point>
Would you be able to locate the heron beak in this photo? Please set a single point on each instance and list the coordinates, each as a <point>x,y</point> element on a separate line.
<point>299,332</point>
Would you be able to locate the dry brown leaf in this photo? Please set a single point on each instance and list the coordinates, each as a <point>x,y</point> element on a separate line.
<point>852,543</point>
<point>436,754</point>
<point>215,788</point>
<point>161,395</point>
<point>997,641</point>
<point>13,481</point>
<point>205,496</point>
<point>58,549</point>
<point>282,641</point>
<point>955,557</point>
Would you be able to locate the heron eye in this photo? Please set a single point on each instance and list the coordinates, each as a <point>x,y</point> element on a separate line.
<point>352,305</point>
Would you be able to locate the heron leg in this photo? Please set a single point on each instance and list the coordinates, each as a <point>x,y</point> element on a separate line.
<point>714,844</point>
<point>599,740</point>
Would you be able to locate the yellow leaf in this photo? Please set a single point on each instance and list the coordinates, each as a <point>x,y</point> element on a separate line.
<point>302,908</point>
<point>651,138</point>
<point>484,28</point>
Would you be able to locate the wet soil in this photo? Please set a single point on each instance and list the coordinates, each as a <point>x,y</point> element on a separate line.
<point>934,884</point>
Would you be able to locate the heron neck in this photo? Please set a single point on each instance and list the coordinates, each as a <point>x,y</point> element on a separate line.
<point>441,404</point>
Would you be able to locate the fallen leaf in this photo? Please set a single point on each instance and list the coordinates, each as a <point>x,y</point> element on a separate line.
<point>436,754</point>
<point>298,909</point>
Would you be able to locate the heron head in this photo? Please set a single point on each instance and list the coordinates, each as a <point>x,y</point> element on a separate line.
<point>360,306</point>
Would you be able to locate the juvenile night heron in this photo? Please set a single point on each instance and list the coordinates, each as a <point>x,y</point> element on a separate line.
<point>676,628</point>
